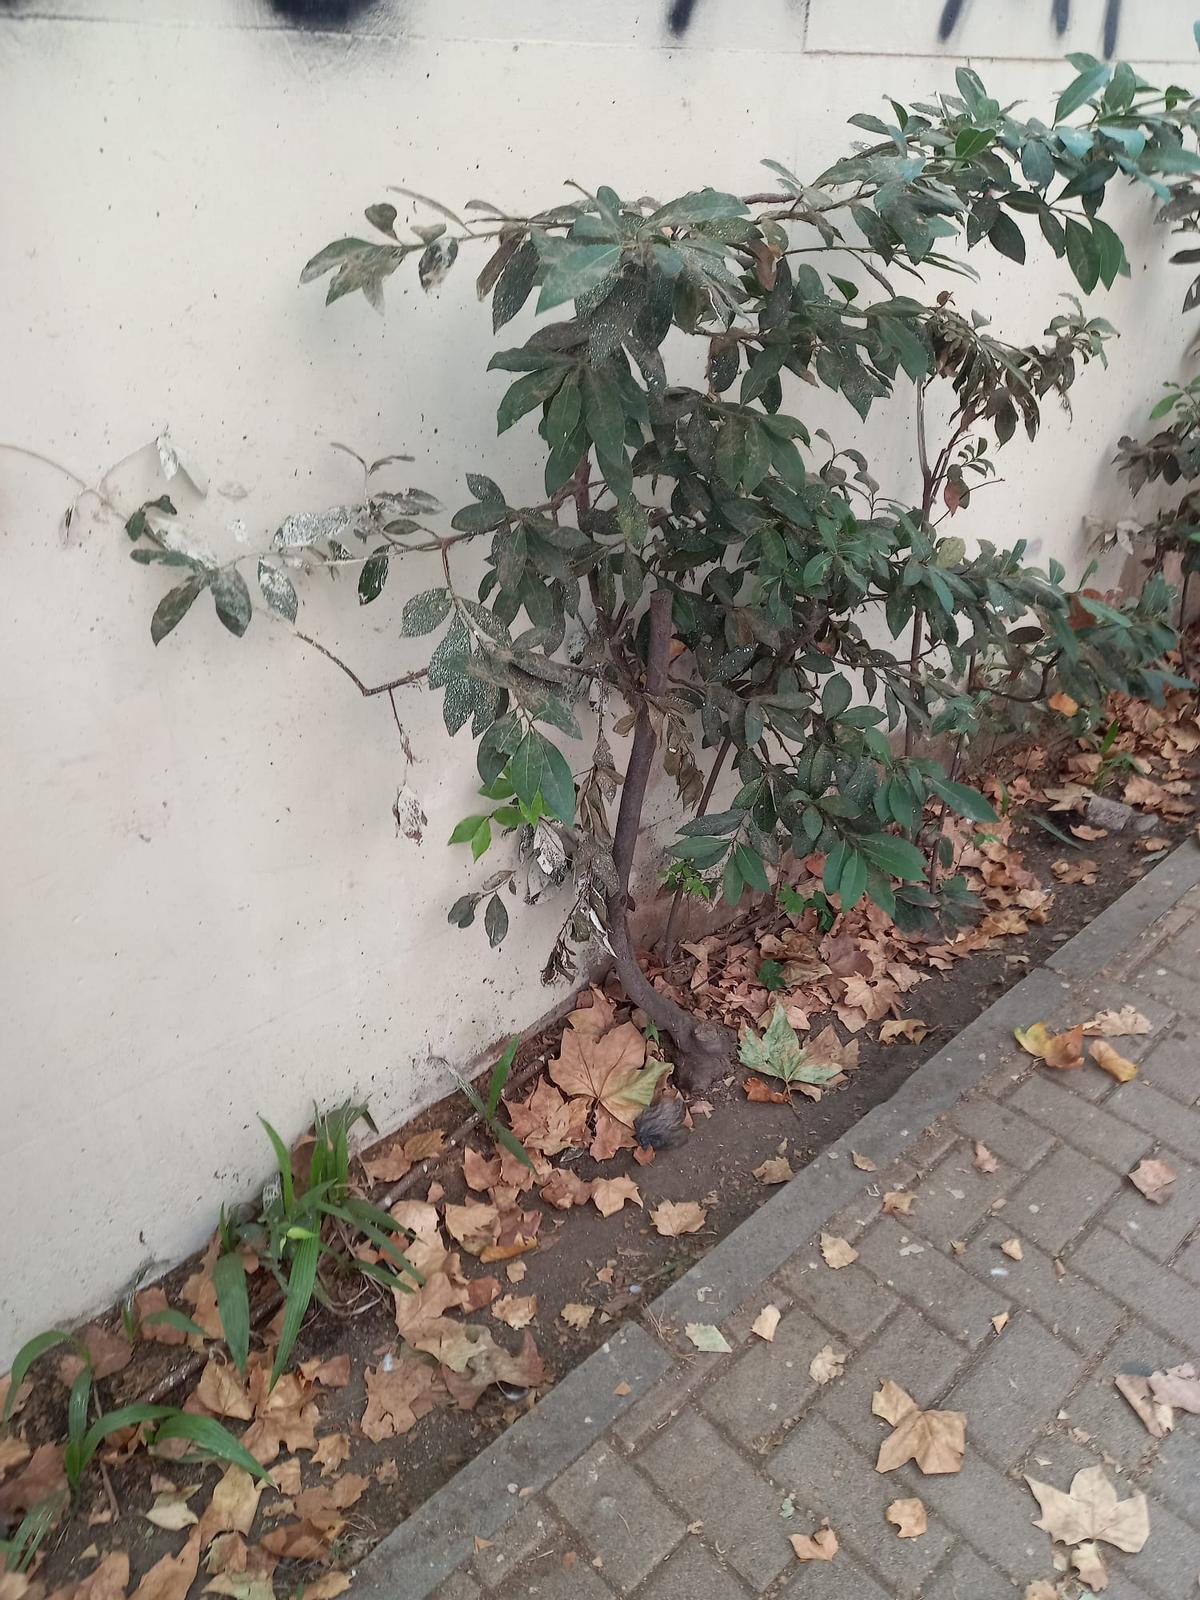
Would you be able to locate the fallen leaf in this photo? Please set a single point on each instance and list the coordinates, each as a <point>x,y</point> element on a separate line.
<point>1000,1322</point>
<point>763,1094</point>
<point>1178,1386</point>
<point>420,1146</point>
<point>909,1518</point>
<point>108,1581</point>
<point>1012,1249</point>
<point>41,1477</point>
<point>911,1028</point>
<point>622,1388</point>
<point>321,1504</point>
<point>837,1252</point>
<point>775,1170</point>
<point>302,1541</point>
<point>331,1451</point>
<point>1090,1511</point>
<point>1085,831</point>
<point>985,1161</point>
<point>332,1372</point>
<point>863,1163</point>
<point>14,1452</point>
<point>171,1578</point>
<point>819,1546</point>
<point>327,1586</point>
<point>766,1322</point>
<point>479,1173</point>
<point>827,1364</point>
<point>1063,704</point>
<point>564,1189</point>
<point>935,1440</point>
<point>1062,1050</point>
<point>1154,1179</point>
<point>1115,1024</point>
<point>475,1226</point>
<point>607,1070</point>
<point>609,1195</point>
<point>1040,1589</point>
<point>222,1391</point>
<point>674,1217</point>
<point>707,1337</point>
<point>1149,843</point>
<point>1158,1417</point>
<point>285,1475</point>
<point>1083,870</point>
<point>516,1311</point>
<point>577,1316</point>
<point>386,1166</point>
<point>387,1471</point>
<point>515,1271</point>
<point>170,1510</point>
<point>233,1504</point>
<point>399,1397</point>
<point>1111,1061</point>
<point>109,1353</point>
<point>897,1203</point>
<point>1086,1560</point>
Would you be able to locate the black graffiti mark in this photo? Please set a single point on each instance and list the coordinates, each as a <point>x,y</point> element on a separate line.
<point>1060,14</point>
<point>321,13</point>
<point>680,15</point>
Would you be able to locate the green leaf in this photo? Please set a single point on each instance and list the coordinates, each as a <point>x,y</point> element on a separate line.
<point>1005,236</point>
<point>558,786</point>
<point>173,1318</point>
<point>424,612</point>
<point>174,606</point>
<point>77,1403</point>
<point>383,217</point>
<point>233,1304</point>
<point>1082,89</point>
<point>283,1160</point>
<point>24,1359</point>
<point>1083,255</point>
<point>1111,252</point>
<point>778,1053</point>
<point>372,577</point>
<point>1037,163</point>
<point>532,390</point>
<point>853,881</point>
<point>301,1282</point>
<point>514,285</point>
<point>965,801</point>
<point>114,1421</point>
<point>581,268</point>
<point>231,598</point>
<point>500,1074</point>
<point>835,696</point>
<point>495,921</point>
<point>213,1439</point>
<point>897,857</point>
<point>970,141</point>
<point>751,868</point>
<point>466,830</point>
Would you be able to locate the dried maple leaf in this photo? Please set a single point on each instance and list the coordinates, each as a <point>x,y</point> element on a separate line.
<point>475,1226</point>
<point>108,1581</point>
<point>421,1146</point>
<point>576,1315</point>
<point>515,1271</point>
<point>675,1217</point>
<point>327,1587</point>
<point>420,1218</point>
<point>479,1173</point>
<point>233,1504</point>
<point>1063,1050</point>
<point>763,1094</point>
<point>1178,1386</point>
<point>819,1546</point>
<point>863,1163</point>
<point>985,1161</point>
<point>766,1322</point>
<point>911,1028</point>
<point>909,1518</point>
<point>827,1365</point>
<point>322,1503</point>
<point>41,1477</point>
<point>302,1541</point>
<point>1085,831</point>
<point>1154,1179</point>
<point>331,1452</point>
<point>897,1203</point>
<point>1089,1565</point>
<point>837,1252</point>
<point>399,1396</point>
<point>1091,1510</point>
<point>609,1195</point>
<point>1012,1249</point>
<point>516,1311</point>
<point>1082,871</point>
<point>777,1169</point>
<point>171,1578</point>
<point>564,1189</point>
<point>109,1352</point>
<point>222,1392</point>
<point>935,1440</point>
<point>170,1510</point>
<point>608,1070</point>
<point>14,1452</point>
<point>611,1134</point>
<point>1149,844</point>
<point>1114,1024</point>
<point>1157,1416</point>
<point>547,1122</point>
<point>331,1372</point>
<point>387,1165</point>
<point>707,1337</point>
<point>1111,1061</point>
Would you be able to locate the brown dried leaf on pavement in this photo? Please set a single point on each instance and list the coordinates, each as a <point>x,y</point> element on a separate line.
<point>1110,1060</point>
<point>576,1315</point>
<point>1158,1418</point>
<point>564,1189</point>
<point>222,1392</point>
<point>1089,1564</point>
<point>1117,1024</point>
<point>1062,1050</point>
<point>911,1028</point>
<point>609,1195</point>
<point>766,1322</point>
<point>475,1226</point>
<point>1091,1510</point>
<point>909,1517</point>
<point>1154,1179</point>
<point>935,1440</point>
<point>897,1203</point>
<point>675,1217</point>
<point>985,1161</point>
<point>331,1451</point>
<point>777,1169</point>
<point>1013,1250</point>
<point>827,1365</point>
<point>516,1311</point>
<point>819,1546</point>
<point>479,1173</point>
<point>1178,1386</point>
<point>863,1163</point>
<point>837,1252</point>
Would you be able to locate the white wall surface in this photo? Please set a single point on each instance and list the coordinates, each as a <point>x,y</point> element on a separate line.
<point>207,910</point>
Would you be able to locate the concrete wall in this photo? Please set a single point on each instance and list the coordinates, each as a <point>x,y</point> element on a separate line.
<point>208,912</point>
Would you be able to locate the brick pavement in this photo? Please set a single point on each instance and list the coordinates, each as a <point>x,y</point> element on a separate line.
<point>680,1488</point>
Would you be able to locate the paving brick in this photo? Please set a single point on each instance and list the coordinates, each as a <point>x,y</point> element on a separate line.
<point>1159,1230</point>
<point>706,1477</point>
<point>1175,1477</point>
<point>1167,1563</point>
<point>981,1504</point>
<point>1006,1132</point>
<point>1060,1198</point>
<point>910,1351</point>
<point>619,1516</point>
<point>1173,1065</point>
<point>1112,1425</point>
<point>830,1477</point>
<point>693,1573</point>
<point>1159,1297</point>
<point>769,1385</point>
<point>664,1400</point>
<point>737,1327</point>
<point>533,1536</point>
<point>1013,1393</point>
<point>1159,1114</point>
<point>1069,1305</point>
<point>1188,1261</point>
<point>459,1587</point>
<point>1089,1128</point>
<point>849,1301</point>
<point>945,1293</point>
<point>955,1195</point>
<point>1115,929</point>
<point>578,1582</point>
<point>839,1579</point>
<point>967,1577</point>
<point>1179,992</point>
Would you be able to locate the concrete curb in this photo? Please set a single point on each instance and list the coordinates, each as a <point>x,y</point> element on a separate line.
<point>423,1551</point>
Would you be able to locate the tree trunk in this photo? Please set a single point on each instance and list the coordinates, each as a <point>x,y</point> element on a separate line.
<point>704,1049</point>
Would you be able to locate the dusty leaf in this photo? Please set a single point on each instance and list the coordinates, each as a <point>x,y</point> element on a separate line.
<point>908,1517</point>
<point>331,1451</point>
<point>775,1170</point>
<point>577,1316</point>
<point>1089,1564</point>
<point>171,1578</point>
<point>1116,1024</point>
<point>897,1203</point>
<point>1012,1249</point>
<point>837,1252</point>
<point>910,1028</point>
<point>479,1173</point>
<point>766,1322</point>
<point>1178,1386</point>
<point>707,1337</point>
<point>1112,1061</point>
<point>564,1189</point>
<point>1090,1510</point>
<point>674,1217</point>
<point>985,1161</point>
<point>863,1163</point>
<point>819,1546</point>
<point>1062,1050</point>
<point>935,1440</point>
<point>170,1509</point>
<point>609,1195</point>
<point>1154,1179</point>
<point>1158,1417</point>
<point>1042,1589</point>
<point>475,1226</point>
<point>827,1365</point>
<point>420,1146</point>
<point>516,1311</point>
<point>763,1094</point>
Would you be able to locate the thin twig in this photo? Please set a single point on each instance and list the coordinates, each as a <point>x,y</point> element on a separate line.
<point>363,689</point>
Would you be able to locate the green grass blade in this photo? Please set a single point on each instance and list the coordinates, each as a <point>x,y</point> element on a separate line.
<point>233,1303</point>
<point>17,1553</point>
<point>301,1280</point>
<point>77,1404</point>
<point>511,1143</point>
<point>111,1421</point>
<point>500,1074</point>
<point>1044,822</point>
<point>473,1095</point>
<point>283,1157</point>
<point>171,1318</point>
<point>213,1439</point>
<point>25,1357</point>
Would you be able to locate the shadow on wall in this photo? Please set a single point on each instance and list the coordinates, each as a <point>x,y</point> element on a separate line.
<point>320,13</point>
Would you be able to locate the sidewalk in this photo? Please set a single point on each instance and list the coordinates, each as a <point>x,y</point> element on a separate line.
<point>659,1473</point>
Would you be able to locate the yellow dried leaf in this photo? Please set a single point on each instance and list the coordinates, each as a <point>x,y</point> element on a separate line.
<point>775,1170</point>
<point>935,1440</point>
<point>819,1546</point>
<point>1012,1249</point>
<point>766,1322</point>
<point>1111,1061</point>
<point>577,1316</point>
<point>909,1518</point>
<point>837,1252</point>
<point>910,1028</point>
<point>1000,1322</point>
<point>675,1217</point>
<point>1063,704</point>
<point>609,1195</point>
<point>1061,1050</point>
